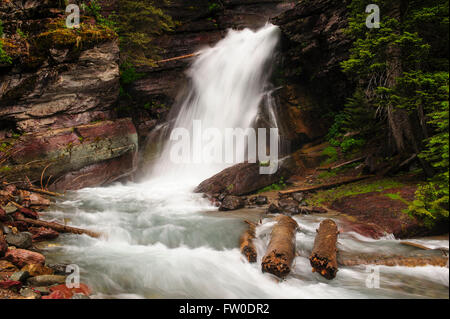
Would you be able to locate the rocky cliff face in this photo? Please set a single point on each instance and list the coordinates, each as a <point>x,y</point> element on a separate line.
<point>311,79</point>
<point>60,82</point>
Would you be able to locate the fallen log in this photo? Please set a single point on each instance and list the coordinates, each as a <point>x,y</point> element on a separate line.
<point>323,257</point>
<point>324,186</point>
<point>246,244</point>
<point>281,250</point>
<point>179,57</point>
<point>359,159</point>
<point>41,191</point>
<point>59,228</point>
<point>394,260</point>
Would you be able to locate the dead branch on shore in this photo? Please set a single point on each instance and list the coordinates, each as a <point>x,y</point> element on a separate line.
<point>323,257</point>
<point>42,174</point>
<point>325,186</point>
<point>179,57</point>
<point>41,191</point>
<point>281,250</point>
<point>359,159</point>
<point>59,228</point>
<point>246,244</point>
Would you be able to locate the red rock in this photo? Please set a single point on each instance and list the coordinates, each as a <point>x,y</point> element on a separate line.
<point>29,213</point>
<point>55,295</point>
<point>65,293</point>
<point>8,284</point>
<point>22,257</point>
<point>69,292</point>
<point>43,233</point>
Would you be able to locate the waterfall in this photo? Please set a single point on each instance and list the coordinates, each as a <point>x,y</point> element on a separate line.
<point>228,88</point>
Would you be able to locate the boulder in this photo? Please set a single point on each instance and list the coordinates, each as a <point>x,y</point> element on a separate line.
<point>43,233</point>
<point>20,276</point>
<point>289,206</point>
<point>19,240</point>
<point>245,178</point>
<point>231,203</point>
<point>30,293</point>
<point>46,280</point>
<point>299,197</point>
<point>22,257</point>
<point>9,208</point>
<point>37,270</point>
<point>273,209</point>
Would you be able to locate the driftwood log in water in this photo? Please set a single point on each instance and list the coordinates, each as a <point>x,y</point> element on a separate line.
<point>394,260</point>
<point>323,257</point>
<point>246,243</point>
<point>281,250</point>
<point>58,227</point>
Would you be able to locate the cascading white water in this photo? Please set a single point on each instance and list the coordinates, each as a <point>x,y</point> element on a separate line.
<point>228,83</point>
<point>163,241</point>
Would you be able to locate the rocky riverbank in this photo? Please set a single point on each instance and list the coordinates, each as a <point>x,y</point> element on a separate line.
<point>24,272</point>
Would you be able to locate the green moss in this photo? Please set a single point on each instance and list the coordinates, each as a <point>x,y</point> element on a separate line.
<point>274,187</point>
<point>327,174</point>
<point>363,187</point>
<point>58,36</point>
<point>332,154</point>
<point>397,196</point>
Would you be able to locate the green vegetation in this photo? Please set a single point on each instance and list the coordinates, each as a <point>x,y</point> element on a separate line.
<point>138,23</point>
<point>332,154</point>
<point>59,36</point>
<point>4,57</point>
<point>402,94</point>
<point>328,196</point>
<point>274,187</point>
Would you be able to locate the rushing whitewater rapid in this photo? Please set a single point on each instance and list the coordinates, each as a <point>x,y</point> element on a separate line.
<point>164,241</point>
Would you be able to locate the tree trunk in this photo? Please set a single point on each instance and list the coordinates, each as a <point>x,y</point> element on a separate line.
<point>248,248</point>
<point>281,250</point>
<point>59,228</point>
<point>323,257</point>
